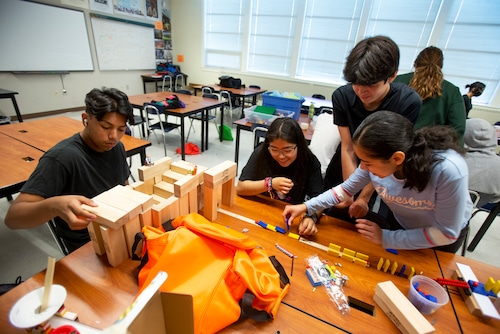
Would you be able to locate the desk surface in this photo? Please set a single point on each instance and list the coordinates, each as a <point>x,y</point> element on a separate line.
<point>45,133</point>
<point>6,92</point>
<point>100,293</point>
<point>239,92</point>
<point>17,161</point>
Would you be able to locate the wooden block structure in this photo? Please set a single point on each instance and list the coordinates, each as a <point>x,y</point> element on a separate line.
<point>400,310</point>
<point>118,219</point>
<point>220,177</point>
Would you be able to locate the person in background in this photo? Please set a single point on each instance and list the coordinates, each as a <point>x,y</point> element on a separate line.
<point>284,168</point>
<point>480,141</point>
<point>421,176</point>
<point>441,100</point>
<point>475,89</point>
<point>77,169</point>
<point>370,70</point>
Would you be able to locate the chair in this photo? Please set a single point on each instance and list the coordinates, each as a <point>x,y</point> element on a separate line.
<point>318,96</point>
<point>165,77</point>
<point>259,134</point>
<point>228,97</point>
<point>51,224</point>
<point>179,77</point>
<point>475,197</point>
<point>184,91</point>
<point>199,116</point>
<point>253,102</point>
<point>493,209</point>
<point>136,121</point>
<point>165,127</point>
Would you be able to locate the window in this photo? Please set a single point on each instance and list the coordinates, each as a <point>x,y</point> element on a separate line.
<point>309,39</point>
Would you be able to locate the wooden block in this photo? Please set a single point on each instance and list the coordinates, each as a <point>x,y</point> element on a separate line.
<point>114,198</point>
<point>210,203</point>
<point>400,310</point>
<point>216,176</point>
<point>145,218</point>
<point>145,199</point>
<point>193,200</point>
<point>164,210</point>
<point>183,167</point>
<point>228,193</point>
<point>131,228</point>
<point>96,238</point>
<point>115,244</point>
<point>394,266</point>
<point>145,187</point>
<point>170,176</point>
<point>361,305</point>
<point>380,263</point>
<point>200,173</point>
<point>360,262</point>
<point>107,215</point>
<point>362,256</point>
<point>386,265</point>
<point>164,189</point>
<point>159,167</point>
<point>185,185</point>
<point>184,205</point>
<point>469,300</point>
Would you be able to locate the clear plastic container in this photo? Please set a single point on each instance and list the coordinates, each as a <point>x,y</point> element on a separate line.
<point>427,286</point>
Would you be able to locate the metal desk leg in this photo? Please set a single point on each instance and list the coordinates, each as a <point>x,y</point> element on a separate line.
<point>486,225</point>
<point>237,145</point>
<point>16,107</point>
<point>221,130</point>
<point>183,148</point>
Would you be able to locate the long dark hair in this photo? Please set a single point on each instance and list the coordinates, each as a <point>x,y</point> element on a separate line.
<point>287,129</point>
<point>385,132</point>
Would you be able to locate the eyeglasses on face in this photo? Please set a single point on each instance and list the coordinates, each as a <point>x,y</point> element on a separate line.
<point>285,151</point>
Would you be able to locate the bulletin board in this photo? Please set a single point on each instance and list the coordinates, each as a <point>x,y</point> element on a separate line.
<point>123,45</point>
<point>42,38</point>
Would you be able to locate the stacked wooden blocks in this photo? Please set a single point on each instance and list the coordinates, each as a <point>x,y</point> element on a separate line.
<point>219,178</point>
<point>121,212</point>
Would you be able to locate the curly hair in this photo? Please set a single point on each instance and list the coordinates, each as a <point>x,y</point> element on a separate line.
<point>99,102</point>
<point>379,143</point>
<point>428,75</point>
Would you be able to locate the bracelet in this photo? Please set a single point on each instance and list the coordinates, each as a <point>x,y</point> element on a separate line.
<point>314,217</point>
<point>268,183</point>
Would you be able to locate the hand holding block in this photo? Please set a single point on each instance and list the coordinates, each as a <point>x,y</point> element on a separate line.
<point>107,215</point>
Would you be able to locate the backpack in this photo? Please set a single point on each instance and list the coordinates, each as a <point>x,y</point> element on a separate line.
<point>229,82</point>
<point>229,276</point>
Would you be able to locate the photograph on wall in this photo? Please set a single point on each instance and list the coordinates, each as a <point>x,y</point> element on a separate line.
<point>129,7</point>
<point>152,9</point>
<point>105,6</point>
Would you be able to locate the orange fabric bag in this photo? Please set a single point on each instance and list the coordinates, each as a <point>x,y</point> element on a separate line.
<point>216,265</point>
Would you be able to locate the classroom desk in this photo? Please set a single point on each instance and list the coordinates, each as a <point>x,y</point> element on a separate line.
<point>240,93</point>
<point>99,293</point>
<point>468,322</point>
<point>17,162</point>
<point>42,134</point>
<point>194,105</point>
<point>158,81</point>
<point>244,124</point>
<point>9,94</point>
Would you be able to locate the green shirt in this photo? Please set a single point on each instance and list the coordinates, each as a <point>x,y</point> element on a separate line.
<point>447,109</point>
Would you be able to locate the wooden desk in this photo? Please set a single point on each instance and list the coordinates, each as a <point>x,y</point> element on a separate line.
<point>194,105</point>
<point>99,293</point>
<point>240,93</point>
<point>468,322</point>
<point>9,94</point>
<point>17,162</point>
<point>44,133</point>
<point>244,124</point>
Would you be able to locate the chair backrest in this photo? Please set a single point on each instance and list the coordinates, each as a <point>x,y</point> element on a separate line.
<point>325,110</point>
<point>318,96</point>
<point>152,109</point>
<point>207,90</point>
<point>254,86</point>
<point>210,96</point>
<point>259,134</point>
<point>227,96</point>
<point>184,91</point>
<point>165,78</point>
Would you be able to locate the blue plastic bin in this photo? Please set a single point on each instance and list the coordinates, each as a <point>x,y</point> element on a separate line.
<point>283,103</point>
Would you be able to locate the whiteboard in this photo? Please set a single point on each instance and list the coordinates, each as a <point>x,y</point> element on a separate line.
<point>36,37</point>
<point>122,45</point>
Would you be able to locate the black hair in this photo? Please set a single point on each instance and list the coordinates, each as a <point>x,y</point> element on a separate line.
<point>99,102</point>
<point>372,60</point>
<point>287,129</point>
<point>385,132</point>
<point>476,88</point>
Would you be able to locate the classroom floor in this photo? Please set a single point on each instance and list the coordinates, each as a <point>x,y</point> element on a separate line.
<point>24,252</point>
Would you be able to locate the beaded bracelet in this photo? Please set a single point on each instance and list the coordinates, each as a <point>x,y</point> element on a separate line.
<point>268,183</point>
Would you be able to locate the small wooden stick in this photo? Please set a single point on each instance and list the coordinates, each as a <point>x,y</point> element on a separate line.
<point>49,276</point>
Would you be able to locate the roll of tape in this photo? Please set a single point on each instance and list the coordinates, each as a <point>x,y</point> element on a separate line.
<point>26,311</point>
